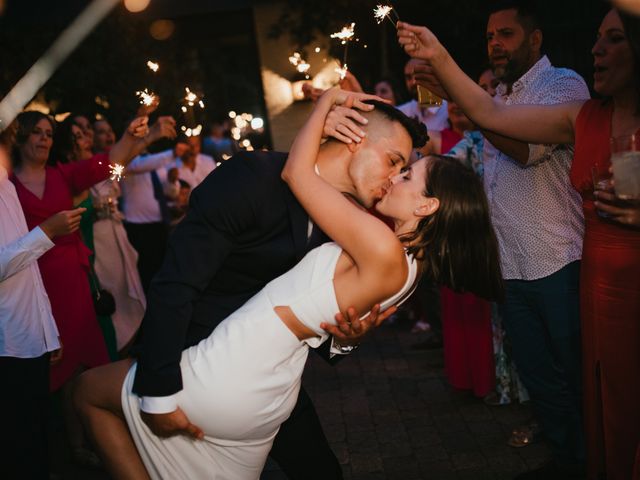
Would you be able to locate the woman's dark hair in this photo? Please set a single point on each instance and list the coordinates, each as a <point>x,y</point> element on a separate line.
<point>457,243</point>
<point>631,26</point>
<point>64,141</point>
<point>27,121</point>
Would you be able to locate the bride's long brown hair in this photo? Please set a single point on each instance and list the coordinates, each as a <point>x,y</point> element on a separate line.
<point>457,243</point>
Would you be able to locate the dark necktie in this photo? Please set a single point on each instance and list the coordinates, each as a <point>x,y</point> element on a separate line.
<point>158,194</point>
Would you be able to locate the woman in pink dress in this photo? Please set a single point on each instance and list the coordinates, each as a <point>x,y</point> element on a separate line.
<point>44,190</point>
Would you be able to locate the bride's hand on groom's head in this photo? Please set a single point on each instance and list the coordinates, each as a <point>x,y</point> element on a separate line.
<point>350,331</point>
<point>343,121</point>
<point>343,124</point>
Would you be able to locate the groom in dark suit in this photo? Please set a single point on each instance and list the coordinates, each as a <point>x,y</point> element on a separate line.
<point>243,229</point>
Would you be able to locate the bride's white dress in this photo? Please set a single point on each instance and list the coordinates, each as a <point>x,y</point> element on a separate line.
<point>242,382</point>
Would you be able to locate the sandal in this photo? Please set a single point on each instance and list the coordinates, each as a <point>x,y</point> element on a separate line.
<point>525,435</point>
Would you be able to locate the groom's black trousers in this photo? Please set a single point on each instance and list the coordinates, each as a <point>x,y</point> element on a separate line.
<point>301,448</point>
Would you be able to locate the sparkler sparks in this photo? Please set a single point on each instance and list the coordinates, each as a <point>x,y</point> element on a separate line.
<point>345,34</point>
<point>117,171</point>
<point>146,97</point>
<point>153,66</point>
<point>342,71</point>
<point>385,11</point>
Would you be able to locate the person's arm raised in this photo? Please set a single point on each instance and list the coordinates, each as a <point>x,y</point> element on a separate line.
<point>553,124</point>
<point>374,248</point>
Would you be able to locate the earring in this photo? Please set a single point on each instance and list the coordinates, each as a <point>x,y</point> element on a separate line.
<point>416,211</point>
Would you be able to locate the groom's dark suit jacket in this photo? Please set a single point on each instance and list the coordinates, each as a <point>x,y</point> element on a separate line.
<point>243,229</point>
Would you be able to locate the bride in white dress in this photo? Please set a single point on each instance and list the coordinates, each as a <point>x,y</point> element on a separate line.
<point>241,382</point>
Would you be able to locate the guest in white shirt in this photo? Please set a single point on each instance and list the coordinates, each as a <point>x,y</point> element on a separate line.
<point>193,166</point>
<point>28,333</point>
<point>145,209</point>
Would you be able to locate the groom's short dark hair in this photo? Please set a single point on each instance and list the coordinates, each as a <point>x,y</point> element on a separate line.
<point>416,130</point>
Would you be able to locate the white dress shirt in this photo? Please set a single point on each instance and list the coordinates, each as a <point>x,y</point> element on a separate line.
<point>139,203</point>
<point>27,326</point>
<point>536,213</point>
<point>435,118</point>
<point>204,165</point>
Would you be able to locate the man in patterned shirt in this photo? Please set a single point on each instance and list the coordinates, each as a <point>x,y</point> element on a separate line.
<point>538,220</point>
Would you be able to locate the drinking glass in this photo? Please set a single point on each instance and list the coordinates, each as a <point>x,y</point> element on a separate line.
<point>427,98</point>
<point>625,159</point>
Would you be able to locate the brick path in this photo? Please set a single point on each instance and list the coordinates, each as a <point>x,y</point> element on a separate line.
<point>390,415</point>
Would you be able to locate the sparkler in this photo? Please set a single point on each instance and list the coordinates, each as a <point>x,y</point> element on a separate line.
<point>342,71</point>
<point>345,35</point>
<point>385,11</point>
<point>117,172</point>
<point>146,97</point>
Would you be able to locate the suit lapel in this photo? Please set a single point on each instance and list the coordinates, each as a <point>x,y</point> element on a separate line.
<point>299,223</point>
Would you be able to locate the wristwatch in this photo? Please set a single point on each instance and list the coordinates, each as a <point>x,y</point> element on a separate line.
<point>345,348</point>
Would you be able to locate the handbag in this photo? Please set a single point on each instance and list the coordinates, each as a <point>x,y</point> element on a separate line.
<point>103,301</point>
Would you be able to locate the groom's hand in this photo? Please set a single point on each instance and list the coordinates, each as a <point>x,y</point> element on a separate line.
<point>170,424</point>
<point>352,330</point>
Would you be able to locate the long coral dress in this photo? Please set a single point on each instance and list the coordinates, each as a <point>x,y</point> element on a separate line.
<point>610,311</point>
<point>64,268</point>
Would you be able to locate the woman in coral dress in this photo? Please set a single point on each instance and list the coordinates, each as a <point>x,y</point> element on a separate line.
<point>43,191</point>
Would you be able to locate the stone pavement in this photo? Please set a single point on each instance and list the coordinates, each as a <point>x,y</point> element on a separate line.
<point>390,415</point>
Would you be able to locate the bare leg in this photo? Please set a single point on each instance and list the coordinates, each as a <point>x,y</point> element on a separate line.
<point>97,400</point>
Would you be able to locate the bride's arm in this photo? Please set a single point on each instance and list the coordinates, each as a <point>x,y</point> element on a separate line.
<point>374,248</point>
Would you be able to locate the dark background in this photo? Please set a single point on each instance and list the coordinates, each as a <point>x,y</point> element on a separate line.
<point>213,48</point>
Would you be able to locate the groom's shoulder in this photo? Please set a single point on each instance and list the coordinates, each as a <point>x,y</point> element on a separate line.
<point>258,161</point>
<point>256,171</point>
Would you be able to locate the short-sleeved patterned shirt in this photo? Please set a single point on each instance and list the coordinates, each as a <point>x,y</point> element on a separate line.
<point>536,213</point>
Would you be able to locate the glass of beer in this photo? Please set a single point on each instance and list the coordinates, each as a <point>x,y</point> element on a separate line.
<point>427,98</point>
<point>625,159</point>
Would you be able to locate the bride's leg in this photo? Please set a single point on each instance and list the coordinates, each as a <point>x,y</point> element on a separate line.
<point>97,400</point>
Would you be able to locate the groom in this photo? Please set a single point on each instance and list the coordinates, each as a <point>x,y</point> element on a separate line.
<point>243,229</point>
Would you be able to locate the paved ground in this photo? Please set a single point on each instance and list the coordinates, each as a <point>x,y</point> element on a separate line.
<point>389,414</point>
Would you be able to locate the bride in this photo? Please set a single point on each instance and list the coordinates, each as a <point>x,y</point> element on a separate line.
<point>242,381</point>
